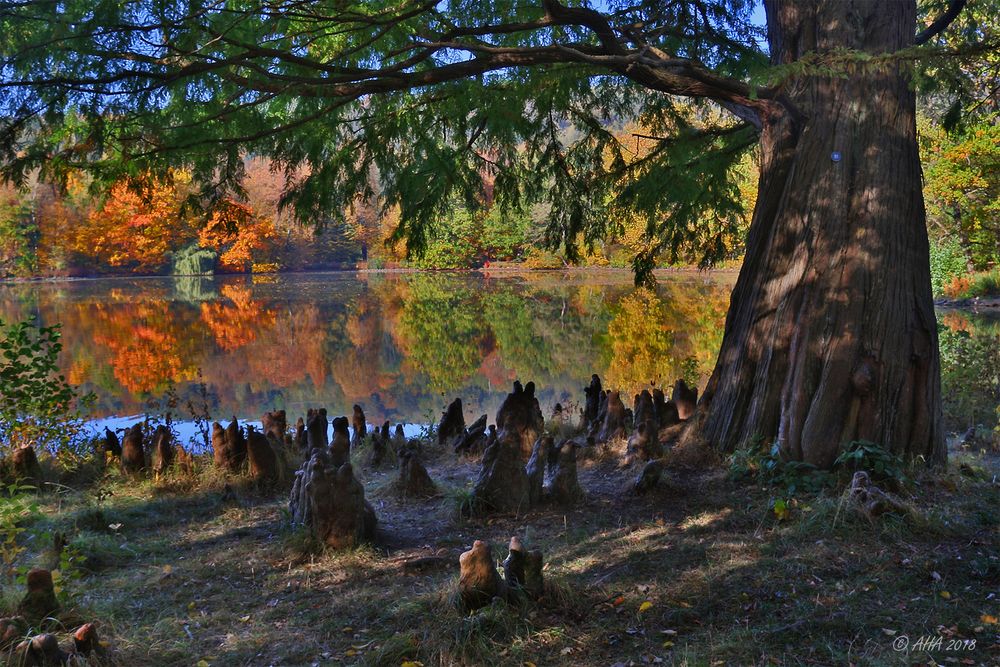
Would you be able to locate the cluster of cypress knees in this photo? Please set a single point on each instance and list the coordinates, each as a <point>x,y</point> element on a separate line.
<point>328,498</point>
<point>522,467</point>
<point>38,609</point>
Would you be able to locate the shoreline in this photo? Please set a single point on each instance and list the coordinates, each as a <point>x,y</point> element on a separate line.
<point>988,306</point>
<point>983,305</point>
<point>492,270</point>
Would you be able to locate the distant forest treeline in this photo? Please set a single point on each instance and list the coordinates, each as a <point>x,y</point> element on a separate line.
<point>143,226</point>
<point>152,225</point>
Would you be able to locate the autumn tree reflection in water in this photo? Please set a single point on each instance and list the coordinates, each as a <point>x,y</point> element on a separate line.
<point>970,371</point>
<point>398,344</point>
<point>235,320</point>
<point>661,336</point>
<point>148,344</point>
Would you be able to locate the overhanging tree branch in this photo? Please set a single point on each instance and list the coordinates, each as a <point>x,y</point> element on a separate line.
<point>941,23</point>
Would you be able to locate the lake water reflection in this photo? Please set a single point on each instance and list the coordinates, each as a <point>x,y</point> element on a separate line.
<point>401,345</point>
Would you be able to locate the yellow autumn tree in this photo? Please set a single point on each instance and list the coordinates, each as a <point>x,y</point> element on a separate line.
<point>633,234</point>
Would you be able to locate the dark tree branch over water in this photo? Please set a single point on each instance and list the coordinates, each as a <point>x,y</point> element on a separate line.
<point>831,334</point>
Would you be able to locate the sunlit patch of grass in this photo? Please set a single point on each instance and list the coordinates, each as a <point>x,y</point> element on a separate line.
<point>362,558</point>
<point>705,519</point>
<point>611,452</point>
<point>643,534</point>
<point>582,564</point>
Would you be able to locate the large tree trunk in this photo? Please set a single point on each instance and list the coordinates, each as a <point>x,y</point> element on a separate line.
<point>831,335</point>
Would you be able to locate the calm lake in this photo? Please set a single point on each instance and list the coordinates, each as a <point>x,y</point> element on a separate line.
<point>401,345</point>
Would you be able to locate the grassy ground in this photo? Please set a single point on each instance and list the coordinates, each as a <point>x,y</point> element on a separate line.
<point>698,572</point>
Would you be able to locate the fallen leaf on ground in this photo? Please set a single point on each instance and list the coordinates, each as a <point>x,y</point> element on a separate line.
<point>781,510</point>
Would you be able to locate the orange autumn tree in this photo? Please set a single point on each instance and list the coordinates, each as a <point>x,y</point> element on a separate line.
<point>238,235</point>
<point>138,224</point>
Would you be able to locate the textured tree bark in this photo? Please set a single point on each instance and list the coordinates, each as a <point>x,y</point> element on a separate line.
<point>831,334</point>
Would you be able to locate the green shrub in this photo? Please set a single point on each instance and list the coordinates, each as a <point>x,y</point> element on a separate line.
<point>193,260</point>
<point>37,405</point>
<point>880,463</point>
<point>465,238</point>
<point>948,261</point>
<point>18,236</point>
<point>18,507</point>
<point>768,465</point>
